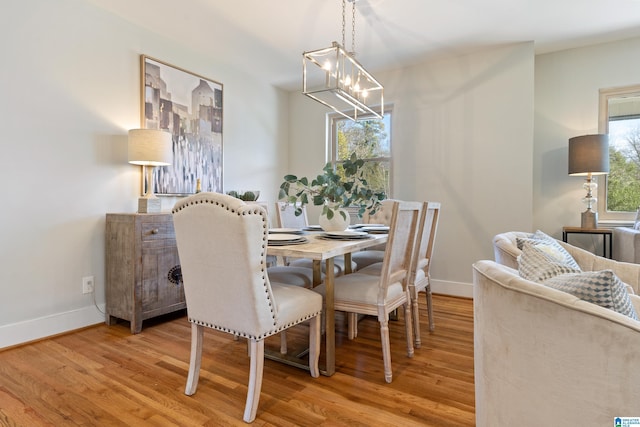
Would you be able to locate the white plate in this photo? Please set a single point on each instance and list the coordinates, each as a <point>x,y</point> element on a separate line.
<point>285,230</point>
<point>378,229</point>
<point>345,233</point>
<point>314,228</point>
<point>367,225</point>
<point>284,237</point>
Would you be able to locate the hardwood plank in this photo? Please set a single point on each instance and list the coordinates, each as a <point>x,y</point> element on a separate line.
<point>105,376</point>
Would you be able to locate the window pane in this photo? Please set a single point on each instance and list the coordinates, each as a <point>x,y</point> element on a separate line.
<point>623,181</point>
<point>367,138</point>
<point>370,140</point>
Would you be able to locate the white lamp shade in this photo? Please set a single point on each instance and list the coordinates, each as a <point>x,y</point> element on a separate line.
<point>150,147</point>
<point>589,154</point>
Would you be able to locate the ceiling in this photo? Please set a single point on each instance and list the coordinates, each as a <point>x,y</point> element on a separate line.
<point>270,35</point>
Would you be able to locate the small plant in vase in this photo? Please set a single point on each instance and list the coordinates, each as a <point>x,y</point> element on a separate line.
<point>334,190</point>
<point>247,196</point>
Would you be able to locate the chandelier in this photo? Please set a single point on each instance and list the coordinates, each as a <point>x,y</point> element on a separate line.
<point>333,77</point>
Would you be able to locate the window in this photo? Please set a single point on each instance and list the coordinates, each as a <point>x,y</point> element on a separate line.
<point>619,197</point>
<point>370,139</point>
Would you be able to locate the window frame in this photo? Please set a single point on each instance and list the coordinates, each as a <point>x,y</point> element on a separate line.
<point>605,95</point>
<point>332,143</point>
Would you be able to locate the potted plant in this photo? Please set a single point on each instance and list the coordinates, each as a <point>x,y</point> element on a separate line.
<point>247,196</point>
<point>334,190</point>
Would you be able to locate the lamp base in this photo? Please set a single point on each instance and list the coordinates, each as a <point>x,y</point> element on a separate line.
<point>589,219</point>
<point>149,205</point>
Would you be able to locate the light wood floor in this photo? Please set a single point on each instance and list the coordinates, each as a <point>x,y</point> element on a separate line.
<point>105,376</point>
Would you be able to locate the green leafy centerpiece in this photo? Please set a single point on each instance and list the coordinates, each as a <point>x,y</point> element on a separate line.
<point>334,190</point>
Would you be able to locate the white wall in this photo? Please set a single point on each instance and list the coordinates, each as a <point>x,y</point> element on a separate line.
<point>566,93</point>
<point>462,135</point>
<point>70,83</point>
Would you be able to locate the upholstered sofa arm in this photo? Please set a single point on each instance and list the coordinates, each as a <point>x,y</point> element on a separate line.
<point>505,250</point>
<point>626,244</point>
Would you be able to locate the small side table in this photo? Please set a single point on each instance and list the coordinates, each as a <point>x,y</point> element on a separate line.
<point>605,232</point>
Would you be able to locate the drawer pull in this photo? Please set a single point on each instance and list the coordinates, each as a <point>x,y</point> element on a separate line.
<point>155,231</point>
<point>175,275</point>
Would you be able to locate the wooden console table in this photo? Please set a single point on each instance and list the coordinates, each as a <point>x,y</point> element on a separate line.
<point>604,232</point>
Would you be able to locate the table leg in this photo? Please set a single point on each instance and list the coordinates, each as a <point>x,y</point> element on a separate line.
<point>317,272</point>
<point>330,320</point>
<point>347,263</point>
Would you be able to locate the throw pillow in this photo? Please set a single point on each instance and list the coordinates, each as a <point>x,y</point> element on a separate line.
<point>551,246</point>
<point>603,288</point>
<point>537,265</point>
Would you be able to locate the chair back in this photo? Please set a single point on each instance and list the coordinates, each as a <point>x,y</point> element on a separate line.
<point>286,215</point>
<point>425,239</point>
<point>382,215</point>
<point>396,265</point>
<point>222,243</point>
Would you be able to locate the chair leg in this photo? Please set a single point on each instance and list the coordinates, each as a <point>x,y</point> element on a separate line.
<point>352,325</point>
<point>432,325</point>
<point>283,342</point>
<point>255,380</point>
<point>314,346</point>
<point>415,307</point>
<point>386,349</point>
<point>408,327</point>
<point>195,360</point>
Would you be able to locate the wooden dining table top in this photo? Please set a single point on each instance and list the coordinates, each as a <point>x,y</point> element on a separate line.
<point>319,248</point>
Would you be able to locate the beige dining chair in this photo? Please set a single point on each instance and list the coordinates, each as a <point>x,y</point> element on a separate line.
<point>222,244</point>
<point>286,218</point>
<point>420,264</point>
<point>378,296</point>
<point>421,278</point>
<point>374,254</point>
<point>282,270</point>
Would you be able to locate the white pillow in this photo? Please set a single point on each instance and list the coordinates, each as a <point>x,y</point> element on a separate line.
<point>537,265</point>
<point>551,246</point>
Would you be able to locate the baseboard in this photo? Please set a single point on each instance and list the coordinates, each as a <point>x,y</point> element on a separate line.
<point>35,329</point>
<point>456,289</point>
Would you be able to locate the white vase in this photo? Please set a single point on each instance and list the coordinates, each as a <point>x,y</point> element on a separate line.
<point>337,223</point>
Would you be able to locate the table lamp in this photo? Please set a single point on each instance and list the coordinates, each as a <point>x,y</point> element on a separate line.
<point>150,148</point>
<point>588,156</point>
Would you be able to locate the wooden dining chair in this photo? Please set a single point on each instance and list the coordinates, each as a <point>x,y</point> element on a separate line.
<point>367,294</point>
<point>374,254</point>
<point>421,276</point>
<point>420,264</point>
<point>222,244</point>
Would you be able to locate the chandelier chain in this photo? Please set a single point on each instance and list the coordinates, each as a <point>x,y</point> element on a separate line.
<point>343,21</point>
<point>353,28</point>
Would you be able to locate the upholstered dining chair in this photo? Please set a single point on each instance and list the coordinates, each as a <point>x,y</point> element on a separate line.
<point>421,276</point>
<point>222,243</point>
<point>282,271</point>
<point>378,296</point>
<point>420,264</point>
<point>376,253</point>
<point>286,218</point>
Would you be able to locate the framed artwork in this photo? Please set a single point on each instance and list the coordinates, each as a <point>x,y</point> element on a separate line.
<point>188,106</point>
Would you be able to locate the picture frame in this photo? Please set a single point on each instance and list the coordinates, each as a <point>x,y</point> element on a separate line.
<point>190,107</point>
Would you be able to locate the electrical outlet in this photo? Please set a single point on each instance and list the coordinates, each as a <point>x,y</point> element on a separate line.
<point>87,284</point>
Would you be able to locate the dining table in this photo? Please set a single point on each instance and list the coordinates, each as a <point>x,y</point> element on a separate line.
<point>321,249</point>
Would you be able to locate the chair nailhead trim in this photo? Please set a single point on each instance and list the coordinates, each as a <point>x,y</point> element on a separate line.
<point>250,336</point>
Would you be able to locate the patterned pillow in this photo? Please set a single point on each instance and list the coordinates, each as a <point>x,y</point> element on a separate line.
<point>598,287</point>
<point>537,265</point>
<point>549,245</point>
